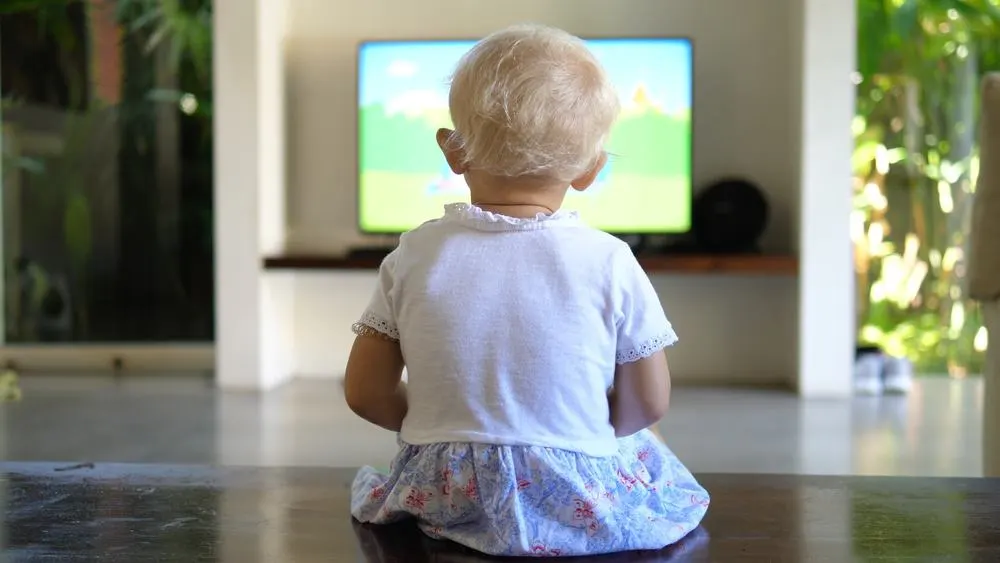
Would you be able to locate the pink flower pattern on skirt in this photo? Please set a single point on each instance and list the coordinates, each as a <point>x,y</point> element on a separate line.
<point>534,501</point>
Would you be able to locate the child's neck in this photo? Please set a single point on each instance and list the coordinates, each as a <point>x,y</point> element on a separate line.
<point>516,210</point>
<point>516,197</point>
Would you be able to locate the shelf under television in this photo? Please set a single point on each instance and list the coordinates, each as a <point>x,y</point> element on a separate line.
<point>717,264</point>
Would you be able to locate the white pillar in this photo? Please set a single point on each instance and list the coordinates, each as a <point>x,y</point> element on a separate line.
<point>253,312</point>
<point>827,324</point>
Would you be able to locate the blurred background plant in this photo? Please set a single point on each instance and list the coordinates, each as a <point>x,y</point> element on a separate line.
<point>112,100</point>
<point>915,166</point>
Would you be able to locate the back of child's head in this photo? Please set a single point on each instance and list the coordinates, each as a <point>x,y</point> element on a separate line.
<point>531,101</point>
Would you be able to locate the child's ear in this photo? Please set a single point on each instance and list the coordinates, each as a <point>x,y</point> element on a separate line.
<point>588,179</point>
<point>455,156</point>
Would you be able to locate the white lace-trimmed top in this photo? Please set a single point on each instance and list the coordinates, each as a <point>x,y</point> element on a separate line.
<point>511,328</point>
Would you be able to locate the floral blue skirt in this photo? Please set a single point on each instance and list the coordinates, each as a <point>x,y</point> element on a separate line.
<point>534,501</point>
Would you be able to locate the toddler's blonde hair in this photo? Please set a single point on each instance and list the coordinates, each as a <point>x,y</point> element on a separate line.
<point>531,100</point>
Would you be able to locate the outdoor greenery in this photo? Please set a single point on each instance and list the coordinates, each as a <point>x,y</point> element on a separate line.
<point>915,162</point>
<point>156,37</point>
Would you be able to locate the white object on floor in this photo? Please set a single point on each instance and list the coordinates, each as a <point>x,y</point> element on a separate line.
<point>868,374</point>
<point>897,377</point>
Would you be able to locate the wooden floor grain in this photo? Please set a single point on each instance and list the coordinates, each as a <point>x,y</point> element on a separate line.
<point>83,512</point>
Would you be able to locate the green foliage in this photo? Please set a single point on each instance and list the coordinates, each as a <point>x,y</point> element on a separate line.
<point>184,27</point>
<point>180,28</point>
<point>915,163</point>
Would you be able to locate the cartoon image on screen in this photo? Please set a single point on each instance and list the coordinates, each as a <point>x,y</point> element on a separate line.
<point>447,182</point>
<point>403,100</point>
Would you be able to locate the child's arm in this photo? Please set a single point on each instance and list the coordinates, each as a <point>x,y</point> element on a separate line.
<point>641,394</point>
<point>641,390</point>
<point>373,381</point>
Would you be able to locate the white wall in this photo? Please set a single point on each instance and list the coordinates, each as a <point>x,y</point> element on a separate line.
<point>732,329</point>
<point>826,107</point>
<point>744,119</point>
<point>253,313</point>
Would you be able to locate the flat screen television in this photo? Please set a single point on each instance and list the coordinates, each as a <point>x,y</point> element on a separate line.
<point>403,179</point>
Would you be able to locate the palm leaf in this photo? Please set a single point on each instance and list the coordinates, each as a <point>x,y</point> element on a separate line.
<point>184,28</point>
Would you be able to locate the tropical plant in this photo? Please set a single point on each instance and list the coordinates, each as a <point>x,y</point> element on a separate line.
<point>182,26</point>
<point>915,165</point>
<point>181,29</point>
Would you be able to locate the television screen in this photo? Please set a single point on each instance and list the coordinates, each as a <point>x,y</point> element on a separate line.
<point>403,99</point>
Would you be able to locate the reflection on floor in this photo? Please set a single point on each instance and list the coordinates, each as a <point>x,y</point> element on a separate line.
<point>933,432</point>
<point>139,513</point>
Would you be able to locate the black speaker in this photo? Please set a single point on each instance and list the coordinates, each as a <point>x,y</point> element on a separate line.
<point>729,217</point>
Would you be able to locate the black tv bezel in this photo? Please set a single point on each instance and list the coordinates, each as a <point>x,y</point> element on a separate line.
<point>357,125</point>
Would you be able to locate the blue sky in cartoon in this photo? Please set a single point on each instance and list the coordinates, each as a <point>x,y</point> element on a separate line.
<point>389,69</point>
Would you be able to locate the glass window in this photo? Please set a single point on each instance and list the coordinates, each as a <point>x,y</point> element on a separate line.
<point>107,170</point>
<point>916,160</point>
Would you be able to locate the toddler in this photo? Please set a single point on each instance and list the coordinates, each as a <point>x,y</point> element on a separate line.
<point>534,344</point>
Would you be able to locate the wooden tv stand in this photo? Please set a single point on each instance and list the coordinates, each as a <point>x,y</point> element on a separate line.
<point>737,265</point>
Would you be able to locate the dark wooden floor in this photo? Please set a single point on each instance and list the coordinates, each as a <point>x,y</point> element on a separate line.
<point>164,513</point>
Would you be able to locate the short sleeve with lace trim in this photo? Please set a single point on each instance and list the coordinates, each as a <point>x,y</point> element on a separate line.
<point>379,318</point>
<point>642,326</point>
